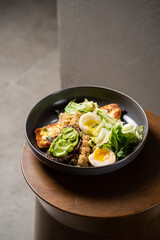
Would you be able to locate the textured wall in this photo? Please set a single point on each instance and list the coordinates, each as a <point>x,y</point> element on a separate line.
<point>114,44</point>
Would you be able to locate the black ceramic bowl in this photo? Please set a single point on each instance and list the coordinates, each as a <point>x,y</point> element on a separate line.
<point>43,113</point>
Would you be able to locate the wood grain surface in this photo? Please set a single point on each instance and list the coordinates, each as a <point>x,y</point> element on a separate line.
<point>128,191</point>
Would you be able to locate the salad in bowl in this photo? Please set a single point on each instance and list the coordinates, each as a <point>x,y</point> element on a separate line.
<point>87,135</point>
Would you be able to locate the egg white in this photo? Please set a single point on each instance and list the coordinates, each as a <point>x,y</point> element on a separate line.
<point>87,121</point>
<point>102,157</point>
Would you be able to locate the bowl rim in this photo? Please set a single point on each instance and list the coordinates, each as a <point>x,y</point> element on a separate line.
<point>91,167</point>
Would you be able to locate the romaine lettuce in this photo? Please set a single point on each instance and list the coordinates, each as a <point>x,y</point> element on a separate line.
<point>104,115</point>
<point>132,132</point>
<point>103,124</point>
<point>122,142</point>
<point>84,107</point>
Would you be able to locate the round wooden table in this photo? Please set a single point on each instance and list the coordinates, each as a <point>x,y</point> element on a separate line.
<point>124,204</point>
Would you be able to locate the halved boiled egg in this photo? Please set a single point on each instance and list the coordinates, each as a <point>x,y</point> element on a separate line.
<point>102,157</point>
<point>88,122</point>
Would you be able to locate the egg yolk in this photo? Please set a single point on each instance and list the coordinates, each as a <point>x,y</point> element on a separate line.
<point>91,124</point>
<point>101,154</point>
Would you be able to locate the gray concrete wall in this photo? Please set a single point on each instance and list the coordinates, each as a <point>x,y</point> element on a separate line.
<point>112,43</point>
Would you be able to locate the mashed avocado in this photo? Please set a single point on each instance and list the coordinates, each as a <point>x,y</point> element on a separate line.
<point>64,143</point>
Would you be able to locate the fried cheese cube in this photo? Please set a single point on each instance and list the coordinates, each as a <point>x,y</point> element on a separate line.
<point>45,135</point>
<point>113,110</point>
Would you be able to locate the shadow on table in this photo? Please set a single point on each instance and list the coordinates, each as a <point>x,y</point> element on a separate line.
<point>133,178</point>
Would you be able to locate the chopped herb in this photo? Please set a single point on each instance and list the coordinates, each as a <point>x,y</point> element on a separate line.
<point>49,138</point>
<point>106,145</point>
<point>44,129</point>
<point>95,125</point>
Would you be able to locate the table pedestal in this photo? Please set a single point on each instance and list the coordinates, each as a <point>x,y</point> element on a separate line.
<point>48,228</point>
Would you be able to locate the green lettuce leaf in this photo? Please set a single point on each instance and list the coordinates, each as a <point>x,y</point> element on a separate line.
<point>84,107</point>
<point>133,132</point>
<point>103,124</point>
<point>104,115</point>
<point>123,142</point>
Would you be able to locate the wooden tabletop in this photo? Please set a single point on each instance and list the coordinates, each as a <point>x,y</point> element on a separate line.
<point>130,190</point>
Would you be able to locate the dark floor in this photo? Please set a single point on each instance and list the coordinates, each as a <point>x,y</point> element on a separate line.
<point>29,70</point>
